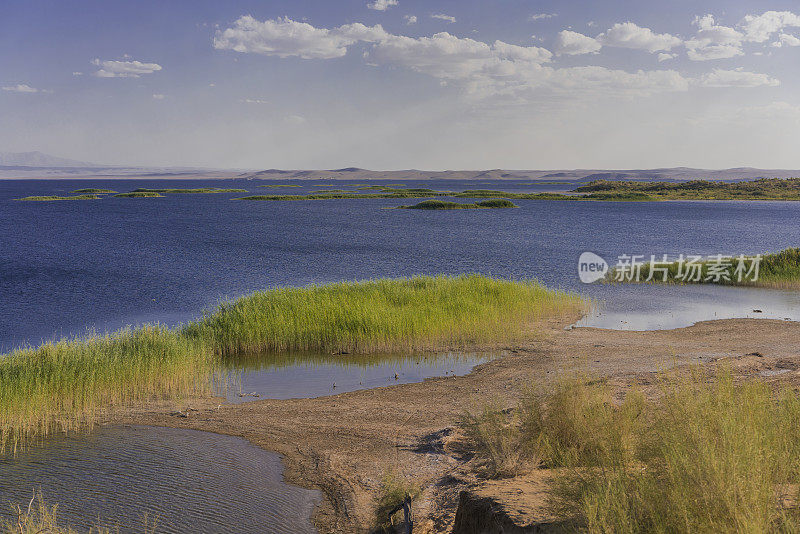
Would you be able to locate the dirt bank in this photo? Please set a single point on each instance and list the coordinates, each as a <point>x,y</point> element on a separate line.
<point>343,444</point>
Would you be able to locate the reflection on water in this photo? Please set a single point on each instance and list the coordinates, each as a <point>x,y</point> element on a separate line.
<point>190,481</point>
<point>286,376</point>
<point>661,307</point>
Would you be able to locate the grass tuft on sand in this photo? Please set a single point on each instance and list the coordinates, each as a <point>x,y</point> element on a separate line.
<point>702,455</point>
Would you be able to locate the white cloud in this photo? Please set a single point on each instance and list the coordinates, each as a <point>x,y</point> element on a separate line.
<point>737,78</point>
<point>786,39</point>
<point>666,57</point>
<point>21,88</point>
<point>253,101</point>
<point>442,16</point>
<point>629,35</point>
<point>294,119</point>
<point>542,16</point>
<point>123,69</point>
<point>574,43</point>
<point>77,73</point>
<point>382,5</point>
<point>713,41</point>
<point>284,37</point>
<point>158,96</point>
<point>410,19</point>
<point>759,28</point>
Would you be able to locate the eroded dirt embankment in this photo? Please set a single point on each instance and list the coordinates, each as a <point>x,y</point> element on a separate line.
<point>345,443</point>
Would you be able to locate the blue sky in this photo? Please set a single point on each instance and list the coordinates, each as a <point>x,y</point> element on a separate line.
<point>390,84</point>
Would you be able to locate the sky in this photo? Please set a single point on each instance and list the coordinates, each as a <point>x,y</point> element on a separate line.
<point>399,84</point>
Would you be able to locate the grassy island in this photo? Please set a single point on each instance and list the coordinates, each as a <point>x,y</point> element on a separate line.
<point>442,205</point>
<point>201,190</point>
<point>66,384</point>
<point>278,186</point>
<point>140,194</point>
<point>762,189</point>
<point>92,190</point>
<point>52,198</point>
<point>779,270</point>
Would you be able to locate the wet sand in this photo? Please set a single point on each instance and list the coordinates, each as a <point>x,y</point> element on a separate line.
<point>344,444</point>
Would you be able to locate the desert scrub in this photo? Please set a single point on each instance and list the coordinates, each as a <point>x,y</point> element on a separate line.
<point>704,454</point>
<point>51,198</point>
<point>64,385</point>
<point>92,191</point>
<point>140,194</point>
<point>385,315</point>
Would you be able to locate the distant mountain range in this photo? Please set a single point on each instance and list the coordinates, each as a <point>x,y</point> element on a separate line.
<point>38,159</point>
<point>40,165</point>
<point>674,173</point>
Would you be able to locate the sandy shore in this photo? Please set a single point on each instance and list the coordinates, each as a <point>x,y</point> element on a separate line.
<point>344,444</point>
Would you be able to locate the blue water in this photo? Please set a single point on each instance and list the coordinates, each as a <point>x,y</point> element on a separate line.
<point>72,265</point>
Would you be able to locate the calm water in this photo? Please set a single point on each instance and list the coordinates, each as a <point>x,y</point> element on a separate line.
<point>189,481</point>
<point>72,265</point>
<point>66,267</point>
<point>315,375</point>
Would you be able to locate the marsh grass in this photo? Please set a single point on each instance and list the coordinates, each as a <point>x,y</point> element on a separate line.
<point>140,194</point>
<point>92,190</point>
<point>201,190</point>
<point>703,454</point>
<point>68,384</point>
<point>37,517</point>
<point>761,189</point>
<point>494,203</point>
<point>65,385</point>
<point>780,270</point>
<point>51,198</point>
<point>386,315</point>
<point>279,186</point>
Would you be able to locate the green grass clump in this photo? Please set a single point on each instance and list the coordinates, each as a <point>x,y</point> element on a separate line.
<point>200,190</point>
<point>387,315</point>
<point>66,385</point>
<point>496,203</point>
<point>63,385</point>
<point>393,491</point>
<point>703,455</point>
<point>761,189</point>
<point>51,198</point>
<point>140,194</point>
<point>443,205</point>
<point>92,191</point>
<point>780,270</point>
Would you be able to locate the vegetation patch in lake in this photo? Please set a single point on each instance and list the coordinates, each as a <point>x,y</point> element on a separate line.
<point>92,190</point>
<point>442,205</point>
<point>200,190</point>
<point>279,186</point>
<point>779,270</point>
<point>66,384</point>
<point>140,194</point>
<point>53,198</point>
<point>762,189</point>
